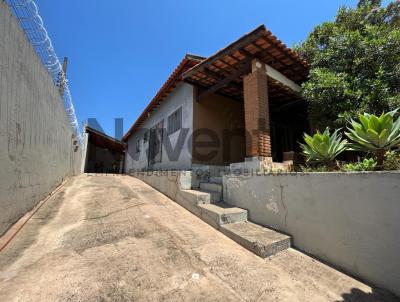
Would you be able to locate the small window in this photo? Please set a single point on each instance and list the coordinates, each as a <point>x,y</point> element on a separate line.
<point>138,146</point>
<point>146,137</point>
<point>175,121</point>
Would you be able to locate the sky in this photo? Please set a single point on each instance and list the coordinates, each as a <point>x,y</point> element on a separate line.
<point>121,52</point>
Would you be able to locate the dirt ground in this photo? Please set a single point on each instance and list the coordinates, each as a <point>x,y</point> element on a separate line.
<point>114,238</point>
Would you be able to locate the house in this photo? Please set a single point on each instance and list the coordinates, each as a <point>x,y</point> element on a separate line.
<point>240,107</point>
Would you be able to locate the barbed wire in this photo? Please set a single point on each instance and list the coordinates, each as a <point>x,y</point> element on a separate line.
<point>27,13</point>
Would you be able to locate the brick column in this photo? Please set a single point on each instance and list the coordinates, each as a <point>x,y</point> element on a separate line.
<point>256,109</point>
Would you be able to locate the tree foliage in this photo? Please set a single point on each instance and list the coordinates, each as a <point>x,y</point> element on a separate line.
<point>355,63</point>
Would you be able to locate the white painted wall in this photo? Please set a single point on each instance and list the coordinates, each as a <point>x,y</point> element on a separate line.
<point>36,144</point>
<point>351,220</point>
<point>181,96</point>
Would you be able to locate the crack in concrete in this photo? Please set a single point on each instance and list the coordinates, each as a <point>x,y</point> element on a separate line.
<point>283,204</point>
<point>114,212</point>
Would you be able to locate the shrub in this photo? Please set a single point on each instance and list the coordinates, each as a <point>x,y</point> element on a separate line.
<point>368,164</point>
<point>323,148</point>
<point>317,168</point>
<point>392,161</point>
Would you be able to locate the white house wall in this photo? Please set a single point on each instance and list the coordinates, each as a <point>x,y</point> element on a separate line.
<point>182,96</point>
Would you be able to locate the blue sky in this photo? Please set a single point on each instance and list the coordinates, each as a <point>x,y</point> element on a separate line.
<point>121,52</point>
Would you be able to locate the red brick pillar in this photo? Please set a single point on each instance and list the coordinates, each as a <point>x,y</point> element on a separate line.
<point>256,109</point>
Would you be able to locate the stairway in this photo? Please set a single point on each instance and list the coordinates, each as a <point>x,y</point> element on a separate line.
<point>233,221</point>
<point>213,188</point>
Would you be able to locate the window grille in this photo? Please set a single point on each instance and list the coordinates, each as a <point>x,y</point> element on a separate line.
<point>175,121</point>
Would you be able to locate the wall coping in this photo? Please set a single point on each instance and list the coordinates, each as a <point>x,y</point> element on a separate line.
<point>314,173</point>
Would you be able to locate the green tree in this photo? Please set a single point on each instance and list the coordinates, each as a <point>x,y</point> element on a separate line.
<point>354,64</point>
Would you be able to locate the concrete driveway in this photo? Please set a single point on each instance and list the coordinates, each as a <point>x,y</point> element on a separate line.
<point>114,238</point>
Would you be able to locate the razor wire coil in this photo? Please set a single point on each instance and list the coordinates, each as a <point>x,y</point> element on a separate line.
<point>27,13</point>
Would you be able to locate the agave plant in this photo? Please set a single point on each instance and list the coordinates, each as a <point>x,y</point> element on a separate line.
<point>323,147</point>
<point>375,134</point>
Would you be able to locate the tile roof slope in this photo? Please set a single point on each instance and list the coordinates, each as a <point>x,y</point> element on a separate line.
<point>192,65</point>
<point>187,62</point>
<point>260,32</point>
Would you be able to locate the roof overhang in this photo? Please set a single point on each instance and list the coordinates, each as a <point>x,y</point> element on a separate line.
<point>102,140</point>
<point>188,62</point>
<point>223,72</point>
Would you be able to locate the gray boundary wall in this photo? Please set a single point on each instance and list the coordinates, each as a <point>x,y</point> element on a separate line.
<point>350,220</point>
<point>36,144</point>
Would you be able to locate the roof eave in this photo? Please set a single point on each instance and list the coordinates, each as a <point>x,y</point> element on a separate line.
<point>173,78</point>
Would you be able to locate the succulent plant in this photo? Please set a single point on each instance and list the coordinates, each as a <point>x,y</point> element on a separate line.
<point>323,147</point>
<point>374,134</point>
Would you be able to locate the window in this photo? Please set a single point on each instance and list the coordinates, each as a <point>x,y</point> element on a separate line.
<point>138,146</point>
<point>146,136</point>
<point>175,121</point>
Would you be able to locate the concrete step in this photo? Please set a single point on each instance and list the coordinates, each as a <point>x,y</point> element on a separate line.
<point>262,241</point>
<point>214,196</point>
<point>215,179</point>
<point>207,186</point>
<point>218,214</point>
<point>195,197</point>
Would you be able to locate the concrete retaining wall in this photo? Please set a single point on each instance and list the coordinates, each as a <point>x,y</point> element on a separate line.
<point>167,182</point>
<point>36,144</point>
<point>177,186</point>
<point>350,220</point>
